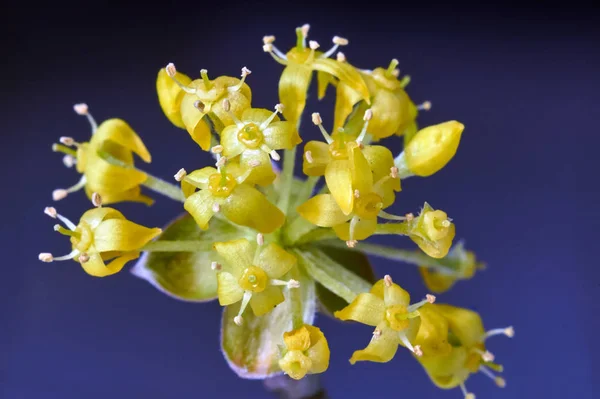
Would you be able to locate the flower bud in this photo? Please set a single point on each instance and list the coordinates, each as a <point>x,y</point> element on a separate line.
<point>432,231</point>
<point>306,352</point>
<point>433,147</point>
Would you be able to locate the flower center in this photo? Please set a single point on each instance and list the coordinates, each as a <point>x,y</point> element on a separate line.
<point>254,279</point>
<point>296,364</point>
<point>84,239</point>
<point>436,224</point>
<point>338,149</point>
<point>367,206</point>
<point>397,317</point>
<point>251,136</point>
<point>221,184</point>
<point>298,56</point>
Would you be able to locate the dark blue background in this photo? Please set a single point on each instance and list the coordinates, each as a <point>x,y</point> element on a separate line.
<point>523,189</point>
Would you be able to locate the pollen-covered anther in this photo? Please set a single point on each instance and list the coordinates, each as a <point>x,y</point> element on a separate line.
<point>268,39</point>
<point>268,48</point>
<point>221,162</point>
<point>81,109</point>
<point>245,72</point>
<point>226,105</point>
<point>487,356</point>
<point>180,175</point>
<point>430,298</point>
<point>418,351</point>
<point>394,172</point>
<point>305,28</point>
<point>340,57</point>
<point>260,239</point>
<point>509,332</point>
<point>68,141</point>
<point>59,193</point>
<point>275,155</point>
<point>313,45</point>
<point>426,106</point>
<point>387,280</point>
<point>340,41</point>
<point>368,115</point>
<point>83,258</point>
<point>316,118</point>
<point>351,243</point>
<point>293,284</point>
<point>217,149</point>
<point>470,396</point>
<point>50,211</point>
<point>69,161</point>
<point>171,70</point>
<point>501,382</point>
<point>376,333</point>
<point>238,320</point>
<point>199,105</point>
<point>396,72</point>
<point>409,217</point>
<point>356,194</point>
<point>308,156</point>
<point>216,208</point>
<point>279,108</point>
<point>46,257</point>
<point>215,266</point>
<point>97,200</point>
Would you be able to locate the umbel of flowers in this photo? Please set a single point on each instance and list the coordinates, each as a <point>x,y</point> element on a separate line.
<point>269,245</point>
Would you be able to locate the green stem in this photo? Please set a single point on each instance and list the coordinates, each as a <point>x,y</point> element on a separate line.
<point>401,229</point>
<point>296,301</point>
<point>178,246</point>
<point>400,163</point>
<point>319,234</point>
<point>333,276</point>
<point>287,179</point>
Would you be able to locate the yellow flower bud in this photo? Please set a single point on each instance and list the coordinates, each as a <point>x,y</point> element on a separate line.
<point>433,147</point>
<point>433,231</point>
<point>465,266</point>
<point>306,352</point>
<point>170,95</point>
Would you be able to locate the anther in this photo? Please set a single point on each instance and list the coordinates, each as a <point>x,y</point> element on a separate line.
<point>221,162</point>
<point>356,194</point>
<point>68,141</point>
<point>260,239</point>
<point>81,109</point>
<point>430,298</point>
<point>84,258</point>
<point>274,155</point>
<point>368,115</point>
<point>376,333</point>
<point>293,284</point>
<point>468,395</point>
<point>180,175</point>
<point>340,41</point>
<point>245,72</point>
<point>199,105</point>
<point>45,257</point>
<point>215,266</point>
<point>394,172</point>
<point>308,156</point>
<point>216,208</point>
<point>417,350</point>
<point>96,200</point>
<point>226,105</point>
<point>487,356</point>
<point>313,45</point>
<point>50,211</point>
<point>305,28</point>
<point>171,70</point>
<point>268,39</point>
<point>426,106</point>
<point>69,161</point>
<point>340,57</point>
<point>268,48</point>
<point>387,280</point>
<point>316,118</point>
<point>59,194</point>
<point>279,108</point>
<point>238,320</point>
<point>351,243</point>
<point>396,72</point>
<point>409,217</point>
<point>217,149</point>
<point>509,332</point>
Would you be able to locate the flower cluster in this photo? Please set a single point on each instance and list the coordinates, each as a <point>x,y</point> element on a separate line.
<point>266,238</point>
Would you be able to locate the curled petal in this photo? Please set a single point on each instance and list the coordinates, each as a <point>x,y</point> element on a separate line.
<point>228,289</point>
<point>322,210</point>
<point>320,157</point>
<point>247,206</point>
<point>122,235</point>
<point>293,86</point>
<point>194,122</point>
<point>437,282</point>
<point>366,308</point>
<point>263,174</point>
<point>94,216</point>
<point>229,140</point>
<point>323,81</point>
<point>362,177</point>
<point>390,112</point>
<point>346,99</point>
<point>170,95</point>
<point>382,347</point>
<point>105,178</point>
<point>362,230</point>
<point>318,352</point>
<point>275,261</point>
<point>346,73</point>
<point>119,132</point>
<point>338,177</point>
<point>95,266</point>
<point>464,323</point>
<point>432,333</point>
<point>200,206</point>
<point>263,302</point>
<point>281,135</point>
<point>438,248</point>
<point>393,295</point>
<point>298,339</point>
<point>257,115</point>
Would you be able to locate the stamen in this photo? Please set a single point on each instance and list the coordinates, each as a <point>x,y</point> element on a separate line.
<point>68,141</point>
<point>351,243</point>
<point>181,173</point>
<point>69,256</point>
<point>215,266</point>
<point>466,393</point>
<point>84,258</point>
<point>61,193</point>
<point>409,217</point>
<point>216,208</point>
<point>237,87</point>
<point>275,53</point>
<point>387,280</point>
<point>63,219</point>
<point>340,57</point>
<point>172,71</point>
<point>205,79</point>
<point>305,28</point>
<point>376,333</point>
<point>97,200</point>
<point>200,106</point>
<point>501,382</point>
<point>414,349</point>
<point>367,117</point>
<point>508,331</point>
<point>352,228</point>
<point>384,215</point>
<point>289,284</point>
<point>217,149</point>
<point>393,64</point>
<point>240,179</point>
<point>313,45</point>
<point>69,161</point>
<point>227,108</point>
<point>316,119</point>
<point>405,81</point>
<point>308,156</point>
<point>45,257</point>
<point>221,161</point>
<point>260,239</point>
<point>337,42</point>
<point>394,172</point>
<point>65,232</point>
<point>267,122</point>
<point>268,39</point>
<point>396,73</point>
<point>50,211</point>
<point>486,356</point>
<point>274,155</point>
<point>82,109</point>
<point>428,299</point>
<point>426,106</point>
<point>245,300</point>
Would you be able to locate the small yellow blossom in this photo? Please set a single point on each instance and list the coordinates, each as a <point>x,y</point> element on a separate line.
<point>454,346</point>
<point>202,97</point>
<point>432,148</point>
<point>170,95</point>
<point>251,274</point>
<point>254,138</point>
<point>300,62</point>
<point>114,183</point>
<point>432,231</point>
<point>101,235</point>
<point>465,266</point>
<point>306,352</point>
<point>386,307</point>
<point>225,190</point>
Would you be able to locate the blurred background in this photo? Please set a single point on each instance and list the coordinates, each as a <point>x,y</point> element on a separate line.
<point>523,188</point>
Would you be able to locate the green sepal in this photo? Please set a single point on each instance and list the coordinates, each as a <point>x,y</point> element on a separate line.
<point>253,349</point>
<point>186,276</point>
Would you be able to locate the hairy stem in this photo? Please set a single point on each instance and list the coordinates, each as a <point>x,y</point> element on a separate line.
<point>287,179</point>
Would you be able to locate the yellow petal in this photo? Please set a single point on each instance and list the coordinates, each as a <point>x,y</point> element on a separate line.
<point>298,339</point>
<point>170,95</point>
<point>238,255</point>
<point>265,301</point>
<point>432,335</point>
<point>436,282</point>
<point>322,210</point>
<point>380,161</point>
<point>200,177</point>
<point>464,323</point>
<point>132,195</point>
<point>366,308</point>
<point>323,81</point>
<point>293,86</point>
<point>345,72</point>
<point>122,235</point>
<point>94,216</point>
<point>228,289</point>
<point>229,140</point>
<point>200,206</point>
<point>320,155</point>
<point>338,177</point>
<point>106,179</point>
<point>257,115</point>
<point>346,99</point>
<point>362,177</point>
<point>448,371</point>
<point>119,132</point>
<point>318,352</point>
<point>381,349</point>
<point>438,248</point>
<point>194,122</point>
<point>248,207</point>
<point>281,135</point>
<point>239,103</point>
<point>394,295</point>
<point>362,230</point>
<point>263,174</point>
<point>275,261</point>
<point>390,112</point>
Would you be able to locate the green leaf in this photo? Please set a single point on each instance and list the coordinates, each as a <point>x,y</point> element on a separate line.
<point>252,349</point>
<point>354,261</point>
<point>185,276</point>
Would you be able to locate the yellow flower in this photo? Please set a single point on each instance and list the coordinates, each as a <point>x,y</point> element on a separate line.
<point>432,231</point>
<point>465,266</point>
<point>254,138</point>
<point>307,352</point>
<point>114,183</point>
<point>102,234</point>
<point>393,110</point>
<point>251,274</point>
<point>431,148</point>
<point>199,98</point>
<point>300,62</point>
<point>386,307</point>
<point>225,190</point>
<point>453,342</point>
